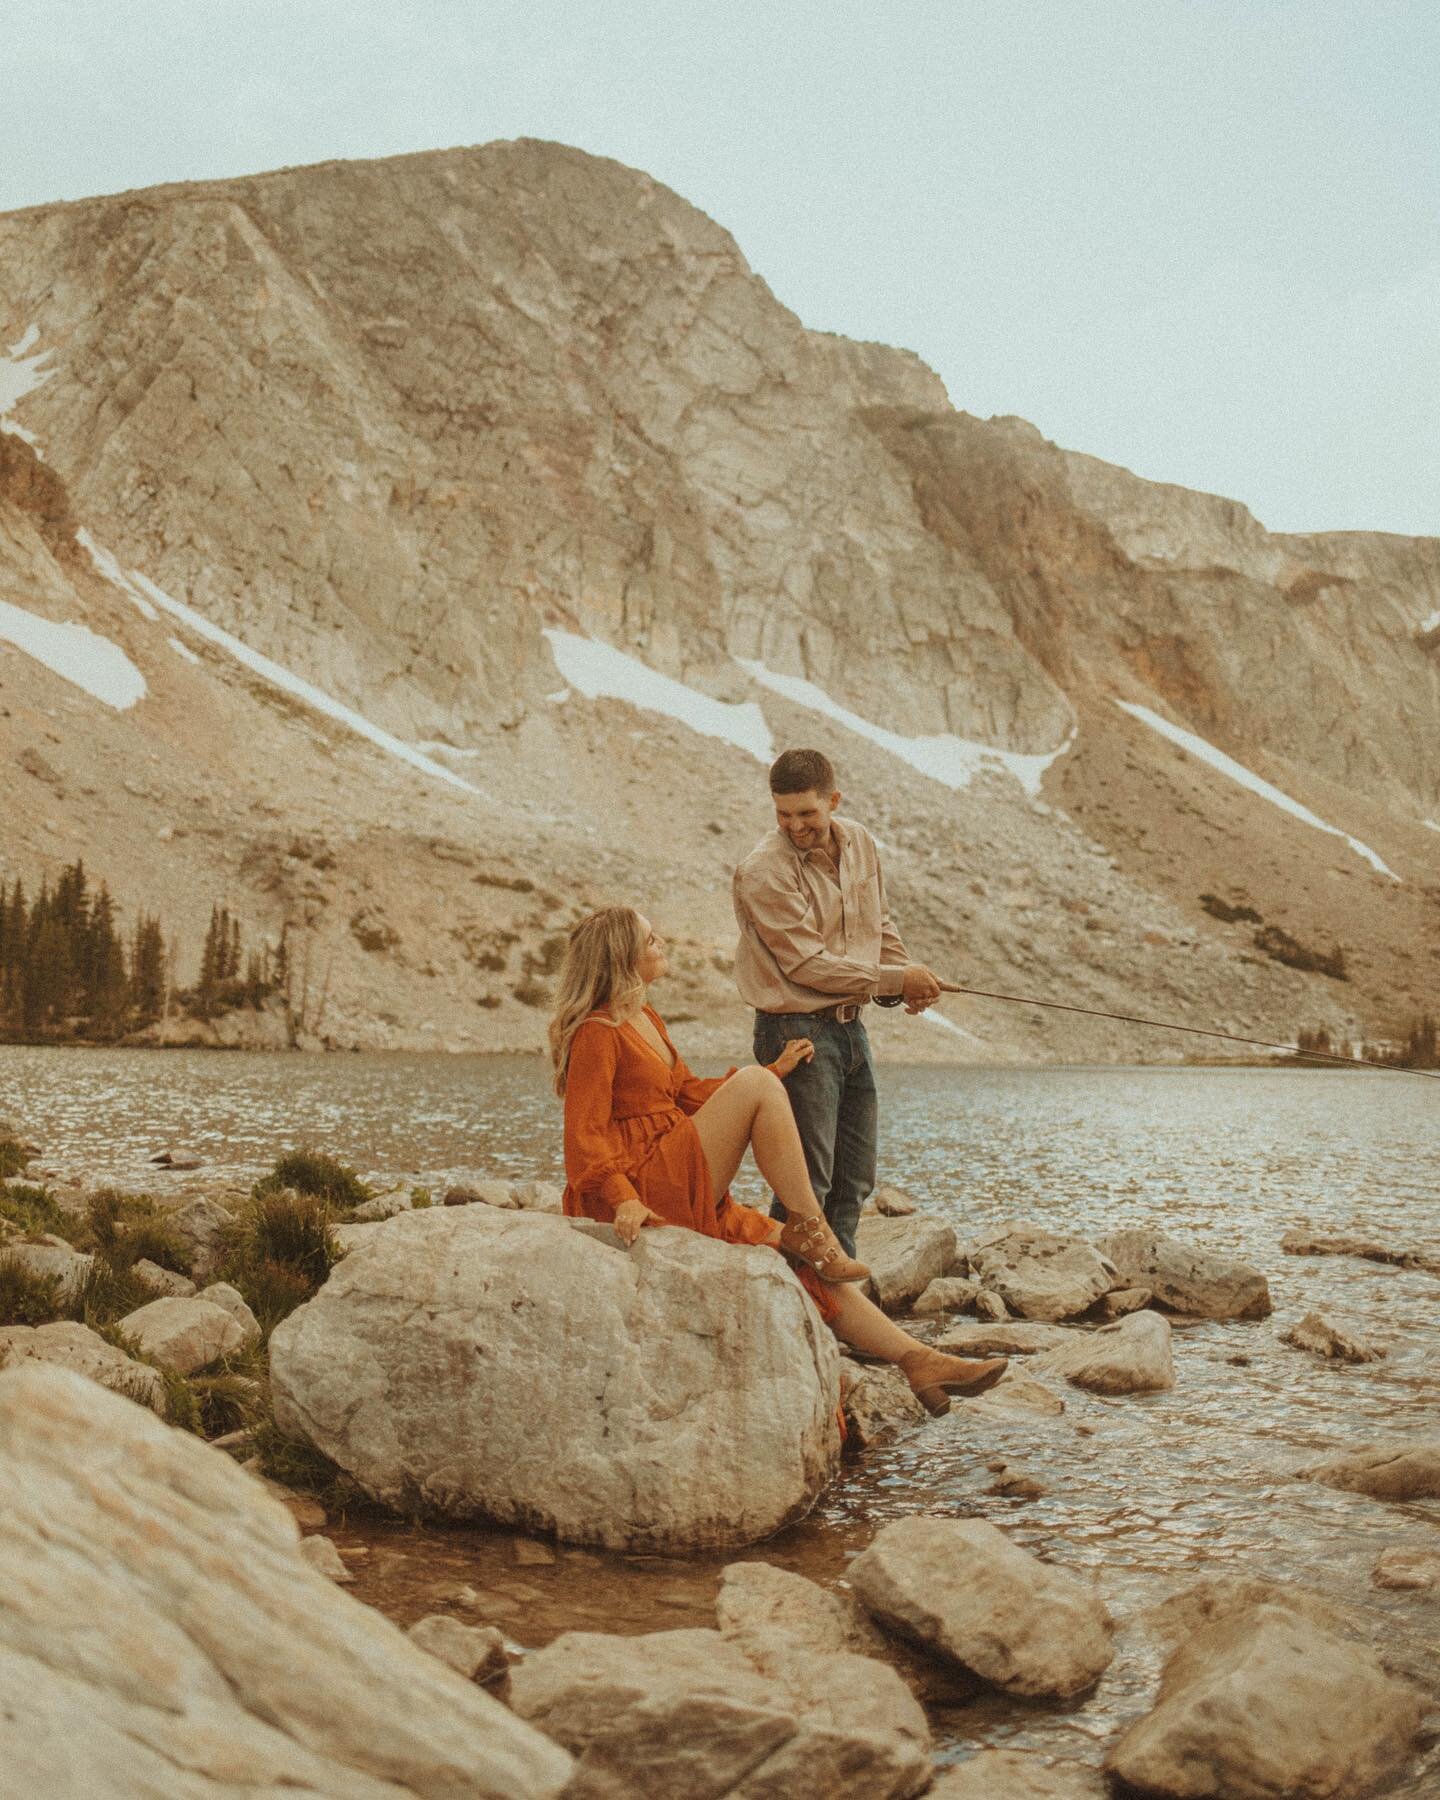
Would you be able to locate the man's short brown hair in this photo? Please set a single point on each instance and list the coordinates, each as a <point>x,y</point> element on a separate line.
<point>802,772</point>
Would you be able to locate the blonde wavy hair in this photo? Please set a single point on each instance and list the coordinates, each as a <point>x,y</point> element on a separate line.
<point>598,970</point>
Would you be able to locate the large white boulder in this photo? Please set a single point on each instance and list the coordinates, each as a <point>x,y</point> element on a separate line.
<point>72,1346</point>
<point>1133,1357</point>
<point>693,1713</point>
<point>960,1587</point>
<point>161,1634</point>
<point>1267,1705</point>
<point>1183,1277</point>
<point>472,1362</point>
<point>1041,1275</point>
<point>905,1255</point>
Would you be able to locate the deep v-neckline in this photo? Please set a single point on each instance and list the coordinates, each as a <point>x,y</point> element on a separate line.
<point>635,1031</point>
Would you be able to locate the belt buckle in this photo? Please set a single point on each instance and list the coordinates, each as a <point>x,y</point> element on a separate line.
<point>847,1013</point>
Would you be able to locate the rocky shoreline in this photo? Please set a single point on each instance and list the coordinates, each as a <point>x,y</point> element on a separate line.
<point>475,1357</point>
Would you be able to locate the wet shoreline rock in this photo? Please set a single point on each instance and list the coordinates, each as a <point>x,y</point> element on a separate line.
<point>1185,1278</point>
<point>693,1712</point>
<point>1393,1470</point>
<point>962,1589</point>
<point>1331,1339</point>
<point>1267,1704</point>
<point>1131,1357</point>
<point>1042,1275</point>
<point>905,1255</point>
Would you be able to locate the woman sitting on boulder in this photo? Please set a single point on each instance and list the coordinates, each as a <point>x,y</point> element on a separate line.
<point>648,1143</point>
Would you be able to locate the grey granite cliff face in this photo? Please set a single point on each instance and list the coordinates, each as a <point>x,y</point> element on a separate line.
<point>388,422</point>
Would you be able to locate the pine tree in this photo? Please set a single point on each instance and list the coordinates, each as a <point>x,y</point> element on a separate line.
<point>147,969</point>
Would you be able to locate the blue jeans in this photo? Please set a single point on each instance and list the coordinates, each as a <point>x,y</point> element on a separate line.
<point>836,1111</point>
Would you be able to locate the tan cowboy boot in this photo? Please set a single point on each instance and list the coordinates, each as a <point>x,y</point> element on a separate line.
<point>812,1240</point>
<point>934,1376</point>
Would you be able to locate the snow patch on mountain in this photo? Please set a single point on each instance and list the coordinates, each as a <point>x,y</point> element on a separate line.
<point>1429,625</point>
<point>598,670</point>
<point>952,761</point>
<point>1237,772</point>
<point>275,673</point>
<point>182,650</point>
<point>20,374</point>
<point>75,653</point>
<point>106,565</point>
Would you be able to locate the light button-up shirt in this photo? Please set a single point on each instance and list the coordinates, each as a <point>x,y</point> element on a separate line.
<point>815,931</point>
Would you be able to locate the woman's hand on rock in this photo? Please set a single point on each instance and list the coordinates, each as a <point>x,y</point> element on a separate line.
<point>630,1215</point>
<point>796,1051</point>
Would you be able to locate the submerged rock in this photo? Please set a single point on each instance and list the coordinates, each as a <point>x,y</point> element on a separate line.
<point>905,1255</point>
<point>1186,1279</point>
<point>1386,1471</point>
<point>692,1713</point>
<point>1334,1341</point>
<point>1267,1705</point>
<point>1132,1357</point>
<point>961,1588</point>
<point>1407,1569</point>
<point>1041,1275</point>
<point>1018,1775</point>
<point>1003,1339</point>
<point>204,1658</point>
<point>470,1362</point>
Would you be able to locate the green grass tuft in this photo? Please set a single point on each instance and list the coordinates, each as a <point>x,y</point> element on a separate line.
<point>28,1297</point>
<point>33,1209</point>
<point>312,1172</point>
<point>13,1156</point>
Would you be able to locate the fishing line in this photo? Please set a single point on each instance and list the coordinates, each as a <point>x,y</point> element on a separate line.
<point>1353,1062</point>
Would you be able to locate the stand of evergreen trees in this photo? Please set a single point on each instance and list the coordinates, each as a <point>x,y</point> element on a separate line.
<point>1420,1048</point>
<point>67,971</point>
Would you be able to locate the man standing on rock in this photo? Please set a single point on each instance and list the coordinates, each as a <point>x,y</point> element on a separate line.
<point>816,946</point>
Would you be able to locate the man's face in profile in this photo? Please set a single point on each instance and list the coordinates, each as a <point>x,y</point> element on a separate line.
<point>805,818</point>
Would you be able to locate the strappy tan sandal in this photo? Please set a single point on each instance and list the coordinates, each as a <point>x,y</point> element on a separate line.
<point>934,1376</point>
<point>812,1240</point>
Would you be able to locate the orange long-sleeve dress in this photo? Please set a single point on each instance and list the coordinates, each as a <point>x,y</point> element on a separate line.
<point>628,1136</point>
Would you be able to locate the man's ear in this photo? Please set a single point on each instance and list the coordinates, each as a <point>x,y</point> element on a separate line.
<point>835,800</point>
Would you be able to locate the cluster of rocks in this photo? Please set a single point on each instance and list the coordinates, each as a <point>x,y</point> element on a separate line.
<point>215,1643</point>
<point>1024,1271</point>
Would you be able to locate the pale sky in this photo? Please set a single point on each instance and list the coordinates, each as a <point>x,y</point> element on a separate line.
<point>1197,237</point>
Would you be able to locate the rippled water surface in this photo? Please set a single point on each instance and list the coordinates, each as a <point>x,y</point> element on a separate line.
<point>1151,1493</point>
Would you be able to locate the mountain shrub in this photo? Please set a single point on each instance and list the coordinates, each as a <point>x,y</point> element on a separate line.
<point>312,1172</point>
<point>32,1209</point>
<point>27,1297</point>
<point>1279,946</point>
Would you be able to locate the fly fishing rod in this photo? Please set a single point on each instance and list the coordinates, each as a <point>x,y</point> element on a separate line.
<point>1090,1012</point>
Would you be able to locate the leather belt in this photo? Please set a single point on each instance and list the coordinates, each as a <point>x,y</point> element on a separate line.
<point>844,1012</point>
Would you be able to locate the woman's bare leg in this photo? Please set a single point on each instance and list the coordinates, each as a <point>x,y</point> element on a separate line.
<point>861,1324</point>
<point>753,1109</point>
